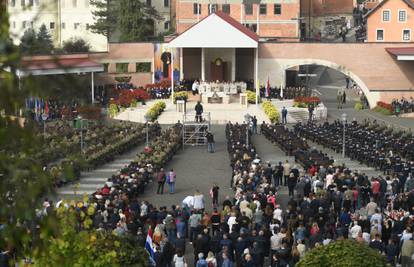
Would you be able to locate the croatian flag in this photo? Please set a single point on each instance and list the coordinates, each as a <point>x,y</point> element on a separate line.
<point>149,246</point>
<point>268,87</point>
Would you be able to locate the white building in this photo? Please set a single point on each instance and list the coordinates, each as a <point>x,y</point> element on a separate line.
<point>64,20</point>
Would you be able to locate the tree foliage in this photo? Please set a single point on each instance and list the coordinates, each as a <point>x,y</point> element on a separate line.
<point>343,253</point>
<point>36,43</point>
<point>76,45</point>
<point>87,247</point>
<point>130,19</point>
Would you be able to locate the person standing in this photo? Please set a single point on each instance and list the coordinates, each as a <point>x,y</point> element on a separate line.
<point>254,125</point>
<point>214,194</point>
<point>210,142</point>
<point>198,201</point>
<point>194,87</point>
<point>161,177</point>
<point>284,115</point>
<point>310,110</point>
<point>199,112</point>
<point>286,172</point>
<point>339,100</point>
<point>172,177</point>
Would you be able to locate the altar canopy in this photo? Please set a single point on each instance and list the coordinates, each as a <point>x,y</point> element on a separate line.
<point>218,30</point>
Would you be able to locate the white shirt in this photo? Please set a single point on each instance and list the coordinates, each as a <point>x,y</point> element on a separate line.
<point>277,214</point>
<point>199,202</point>
<point>355,230</point>
<point>276,241</point>
<point>329,180</point>
<point>231,221</point>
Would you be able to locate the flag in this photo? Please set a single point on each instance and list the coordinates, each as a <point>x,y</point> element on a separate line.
<point>46,107</point>
<point>149,246</point>
<point>268,88</point>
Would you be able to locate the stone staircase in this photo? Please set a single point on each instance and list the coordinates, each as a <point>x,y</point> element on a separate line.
<point>94,179</point>
<point>298,116</point>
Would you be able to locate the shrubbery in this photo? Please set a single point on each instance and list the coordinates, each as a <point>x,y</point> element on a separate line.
<point>358,106</point>
<point>383,111</point>
<point>271,111</point>
<point>342,253</point>
<point>156,110</point>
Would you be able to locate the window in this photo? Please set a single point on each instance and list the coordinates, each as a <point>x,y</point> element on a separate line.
<point>121,67</point>
<point>149,3</point>
<point>386,15</point>
<point>14,25</point>
<point>22,3</point>
<point>30,3</point>
<point>52,25</point>
<point>143,67</point>
<point>76,25</point>
<point>74,3</point>
<point>166,3</point>
<point>63,25</point>
<point>13,3</point>
<point>248,9</point>
<point>24,24</point>
<point>31,24</point>
<point>226,8</point>
<point>196,8</point>
<point>87,26</point>
<point>380,35</point>
<point>402,16</point>
<point>406,35</point>
<point>37,2</point>
<point>263,9</point>
<point>166,25</point>
<point>106,67</point>
<point>277,9</point>
<point>212,8</point>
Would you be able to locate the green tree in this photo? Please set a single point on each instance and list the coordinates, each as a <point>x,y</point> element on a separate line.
<point>130,19</point>
<point>28,42</point>
<point>76,45</point>
<point>44,43</point>
<point>342,253</point>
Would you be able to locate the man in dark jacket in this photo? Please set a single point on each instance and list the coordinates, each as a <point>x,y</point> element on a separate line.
<point>199,111</point>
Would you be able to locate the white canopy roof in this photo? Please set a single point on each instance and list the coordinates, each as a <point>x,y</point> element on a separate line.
<point>218,30</point>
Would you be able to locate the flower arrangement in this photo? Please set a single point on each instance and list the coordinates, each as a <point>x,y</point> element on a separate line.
<point>165,84</point>
<point>180,96</point>
<point>155,111</point>
<point>90,112</point>
<point>128,97</point>
<point>251,97</point>
<point>303,102</point>
<point>271,111</point>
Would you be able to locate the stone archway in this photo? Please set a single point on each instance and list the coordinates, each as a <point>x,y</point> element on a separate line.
<point>286,64</point>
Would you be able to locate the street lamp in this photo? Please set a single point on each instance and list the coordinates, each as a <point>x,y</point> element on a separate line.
<point>147,119</point>
<point>343,137</point>
<point>247,119</point>
<point>44,118</point>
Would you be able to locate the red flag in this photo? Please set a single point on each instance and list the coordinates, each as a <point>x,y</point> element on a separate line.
<point>268,87</point>
<point>46,107</point>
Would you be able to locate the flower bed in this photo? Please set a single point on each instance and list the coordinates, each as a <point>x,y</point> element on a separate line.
<point>303,102</point>
<point>385,106</point>
<point>251,97</point>
<point>155,111</point>
<point>127,97</point>
<point>271,111</point>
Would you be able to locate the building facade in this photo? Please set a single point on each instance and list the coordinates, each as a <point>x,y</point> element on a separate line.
<point>166,10</point>
<point>64,19</point>
<point>391,21</point>
<point>270,19</point>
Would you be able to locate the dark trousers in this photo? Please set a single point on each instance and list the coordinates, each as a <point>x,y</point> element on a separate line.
<point>160,189</point>
<point>285,179</point>
<point>291,190</point>
<point>198,118</point>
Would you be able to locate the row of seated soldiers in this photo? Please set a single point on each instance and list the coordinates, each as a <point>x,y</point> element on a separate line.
<point>373,146</point>
<point>241,153</point>
<point>290,92</point>
<point>294,145</point>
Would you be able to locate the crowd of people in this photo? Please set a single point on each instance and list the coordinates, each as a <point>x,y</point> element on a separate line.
<point>290,92</point>
<point>402,105</point>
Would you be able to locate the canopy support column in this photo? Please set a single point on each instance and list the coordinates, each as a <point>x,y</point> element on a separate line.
<point>172,75</point>
<point>92,87</point>
<point>203,65</point>
<point>233,65</point>
<point>256,74</point>
<point>181,64</point>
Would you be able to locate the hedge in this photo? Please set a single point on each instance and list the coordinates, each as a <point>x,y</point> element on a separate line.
<point>358,106</point>
<point>251,97</point>
<point>271,111</point>
<point>342,253</point>
<point>383,111</point>
<point>155,111</point>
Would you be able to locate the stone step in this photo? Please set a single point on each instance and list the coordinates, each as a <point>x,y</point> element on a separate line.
<point>94,180</point>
